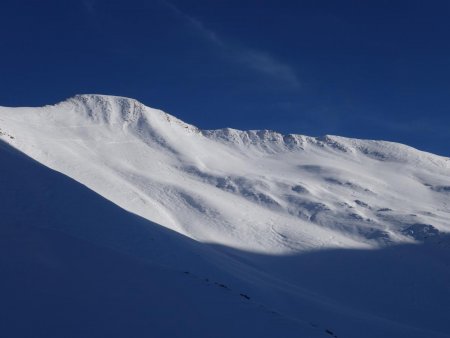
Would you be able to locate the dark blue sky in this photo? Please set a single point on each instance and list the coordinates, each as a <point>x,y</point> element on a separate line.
<point>366,69</point>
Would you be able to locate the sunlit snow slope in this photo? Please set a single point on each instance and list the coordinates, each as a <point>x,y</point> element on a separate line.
<point>344,237</point>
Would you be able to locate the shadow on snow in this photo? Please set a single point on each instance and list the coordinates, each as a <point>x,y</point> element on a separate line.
<point>76,265</point>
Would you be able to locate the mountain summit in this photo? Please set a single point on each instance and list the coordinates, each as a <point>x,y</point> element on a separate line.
<point>337,236</point>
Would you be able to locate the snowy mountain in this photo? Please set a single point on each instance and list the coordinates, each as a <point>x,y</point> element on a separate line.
<point>185,232</point>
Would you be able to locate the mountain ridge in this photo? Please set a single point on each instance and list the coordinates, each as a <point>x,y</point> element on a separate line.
<point>221,159</point>
<point>327,231</point>
<point>105,108</point>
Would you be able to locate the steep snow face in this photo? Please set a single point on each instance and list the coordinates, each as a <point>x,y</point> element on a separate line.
<point>255,190</point>
<point>323,236</point>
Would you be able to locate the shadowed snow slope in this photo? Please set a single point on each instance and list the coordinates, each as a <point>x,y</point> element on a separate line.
<point>69,269</point>
<point>281,235</point>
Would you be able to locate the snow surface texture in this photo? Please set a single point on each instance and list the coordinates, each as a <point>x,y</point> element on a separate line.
<point>282,235</point>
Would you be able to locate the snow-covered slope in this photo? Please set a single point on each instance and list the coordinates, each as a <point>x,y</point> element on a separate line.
<point>89,284</point>
<point>336,234</point>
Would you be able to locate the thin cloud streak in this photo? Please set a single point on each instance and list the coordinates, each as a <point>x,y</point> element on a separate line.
<point>266,64</point>
<point>89,6</point>
<point>256,60</point>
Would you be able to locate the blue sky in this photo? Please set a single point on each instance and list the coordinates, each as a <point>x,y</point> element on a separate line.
<point>365,69</point>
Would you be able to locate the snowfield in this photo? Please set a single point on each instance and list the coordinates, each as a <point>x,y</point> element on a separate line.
<point>185,232</point>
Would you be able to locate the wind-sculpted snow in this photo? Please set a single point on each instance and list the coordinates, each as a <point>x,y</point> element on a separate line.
<point>229,186</point>
<point>252,209</point>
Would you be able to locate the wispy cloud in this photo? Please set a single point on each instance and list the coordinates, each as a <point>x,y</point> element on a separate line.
<point>259,61</point>
<point>266,64</point>
<point>195,23</point>
<point>89,6</point>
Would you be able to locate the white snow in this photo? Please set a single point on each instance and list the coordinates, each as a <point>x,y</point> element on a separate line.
<point>350,234</point>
